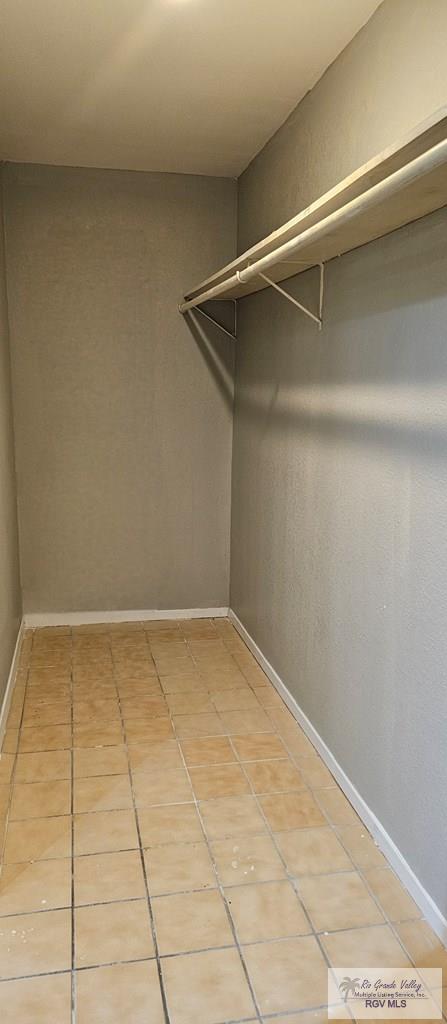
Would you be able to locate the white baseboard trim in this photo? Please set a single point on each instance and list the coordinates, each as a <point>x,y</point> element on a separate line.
<point>428,907</point>
<point>35,620</point>
<point>10,684</point>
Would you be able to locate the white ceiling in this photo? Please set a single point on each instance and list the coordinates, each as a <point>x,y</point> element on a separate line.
<point>174,85</point>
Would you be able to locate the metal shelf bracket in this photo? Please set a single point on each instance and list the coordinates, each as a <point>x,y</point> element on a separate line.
<point>308,312</point>
<point>231,334</point>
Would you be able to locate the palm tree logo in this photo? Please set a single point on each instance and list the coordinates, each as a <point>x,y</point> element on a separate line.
<point>348,985</point>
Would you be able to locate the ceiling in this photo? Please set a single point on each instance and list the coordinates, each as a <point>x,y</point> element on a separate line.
<point>193,86</point>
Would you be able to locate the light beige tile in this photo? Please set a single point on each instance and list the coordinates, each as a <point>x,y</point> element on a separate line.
<point>270,910</point>
<point>376,947</point>
<point>10,741</point>
<point>242,699</point>
<point>361,846</point>
<point>422,945</point>
<point>98,710</point>
<point>213,645</point>
<point>198,629</point>
<point>38,839</point>
<point>219,677</point>
<point>35,943</point>
<point>104,831</point>
<point>248,722</point>
<point>168,665</point>
<point>133,669</point>
<point>42,694</point>
<point>107,734</point>
<point>105,877</point>
<point>164,627</point>
<point>191,921</point>
<point>247,859</point>
<point>395,900</point>
<point>123,992</point>
<point>40,799</point>
<point>197,984</point>
<point>337,808</point>
<point>291,810</point>
<point>131,689</point>
<point>162,787</point>
<point>144,708</point>
<point>313,851</point>
<point>36,1000</point>
<point>273,776</point>
<point>48,675</point>
<point>100,690</point>
<point>50,737</point>
<point>277,983</point>
<point>338,901</point>
<point>39,715</point>
<point>154,731</point>
<point>169,646</point>
<point>179,868</point>
<point>6,768</point>
<point>163,754</point>
<point>315,773</point>
<point>189,682</point>
<point>113,932</point>
<point>268,697</point>
<point>218,780</point>
<point>177,823</point>
<point>5,794</point>
<point>197,702</point>
<point>231,816</point>
<point>41,885</point>
<point>190,726</point>
<point>102,793</point>
<point>92,673</point>
<point>43,766</point>
<point>100,761</point>
<point>258,747</point>
<point>215,750</point>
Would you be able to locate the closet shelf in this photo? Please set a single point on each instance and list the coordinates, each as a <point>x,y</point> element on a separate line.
<point>405,182</point>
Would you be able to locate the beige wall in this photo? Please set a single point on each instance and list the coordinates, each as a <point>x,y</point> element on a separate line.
<point>339,526</point>
<point>123,414</point>
<point>389,78</point>
<point>10,600</point>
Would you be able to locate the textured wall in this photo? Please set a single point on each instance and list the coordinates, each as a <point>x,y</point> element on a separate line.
<point>10,600</point>
<point>123,414</point>
<point>339,521</point>
<point>391,76</point>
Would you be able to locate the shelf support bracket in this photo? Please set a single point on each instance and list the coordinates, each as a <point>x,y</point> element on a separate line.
<point>308,312</point>
<point>231,334</point>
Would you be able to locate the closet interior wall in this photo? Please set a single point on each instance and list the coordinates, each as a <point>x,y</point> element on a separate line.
<point>339,471</point>
<point>10,598</point>
<point>123,409</point>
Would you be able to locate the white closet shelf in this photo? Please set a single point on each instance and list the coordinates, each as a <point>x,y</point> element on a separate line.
<point>405,182</point>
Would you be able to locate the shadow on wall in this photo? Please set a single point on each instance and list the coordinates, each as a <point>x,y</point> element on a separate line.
<point>217,350</point>
<point>377,372</point>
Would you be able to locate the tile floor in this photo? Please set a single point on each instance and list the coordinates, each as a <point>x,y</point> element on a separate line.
<point>174,850</point>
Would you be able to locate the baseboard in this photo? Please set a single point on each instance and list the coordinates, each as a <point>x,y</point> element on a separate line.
<point>35,620</point>
<point>428,907</point>
<point>10,684</point>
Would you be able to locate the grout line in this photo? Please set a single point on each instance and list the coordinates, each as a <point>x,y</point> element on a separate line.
<point>146,884</point>
<point>289,877</point>
<point>223,895</point>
